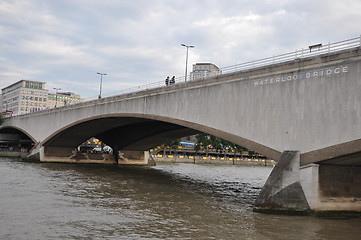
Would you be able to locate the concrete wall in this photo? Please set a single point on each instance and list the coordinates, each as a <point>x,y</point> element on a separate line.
<point>305,105</point>
<point>340,182</point>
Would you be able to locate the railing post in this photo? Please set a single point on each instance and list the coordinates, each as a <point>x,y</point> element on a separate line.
<point>329,47</point>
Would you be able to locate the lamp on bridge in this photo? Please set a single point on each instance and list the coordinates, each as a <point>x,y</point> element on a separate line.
<point>101,83</point>
<point>187,46</point>
<point>56,96</point>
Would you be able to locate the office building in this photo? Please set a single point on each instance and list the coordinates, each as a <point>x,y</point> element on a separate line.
<point>24,96</point>
<point>62,99</point>
<point>204,70</point>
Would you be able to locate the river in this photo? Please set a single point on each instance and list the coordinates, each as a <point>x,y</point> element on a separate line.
<point>170,201</point>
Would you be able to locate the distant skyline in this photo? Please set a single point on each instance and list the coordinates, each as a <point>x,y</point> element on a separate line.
<point>66,42</point>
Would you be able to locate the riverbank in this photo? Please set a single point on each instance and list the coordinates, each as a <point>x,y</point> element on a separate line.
<point>13,154</point>
<point>98,158</point>
<point>213,160</point>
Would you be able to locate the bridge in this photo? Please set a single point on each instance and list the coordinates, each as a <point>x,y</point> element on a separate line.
<point>304,112</point>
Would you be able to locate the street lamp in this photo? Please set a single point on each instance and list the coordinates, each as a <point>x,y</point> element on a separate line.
<point>101,83</point>
<point>56,96</point>
<point>187,46</point>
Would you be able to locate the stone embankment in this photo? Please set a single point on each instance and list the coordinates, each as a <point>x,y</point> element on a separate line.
<point>213,160</point>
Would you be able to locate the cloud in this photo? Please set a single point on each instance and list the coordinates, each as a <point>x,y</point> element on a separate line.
<point>138,42</point>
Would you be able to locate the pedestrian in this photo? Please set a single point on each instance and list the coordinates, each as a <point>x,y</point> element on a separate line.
<point>172,81</point>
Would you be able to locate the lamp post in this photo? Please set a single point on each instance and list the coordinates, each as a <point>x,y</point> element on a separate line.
<point>187,46</point>
<point>56,96</point>
<point>101,83</point>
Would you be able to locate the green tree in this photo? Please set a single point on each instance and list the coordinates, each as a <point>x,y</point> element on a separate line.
<point>172,145</point>
<point>219,144</point>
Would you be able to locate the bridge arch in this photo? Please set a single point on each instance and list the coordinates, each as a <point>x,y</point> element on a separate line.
<point>140,132</point>
<point>15,136</point>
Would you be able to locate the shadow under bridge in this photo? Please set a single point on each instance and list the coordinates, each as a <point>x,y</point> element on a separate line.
<point>120,133</point>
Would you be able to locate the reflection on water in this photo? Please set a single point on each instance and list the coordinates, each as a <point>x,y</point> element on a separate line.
<point>179,201</point>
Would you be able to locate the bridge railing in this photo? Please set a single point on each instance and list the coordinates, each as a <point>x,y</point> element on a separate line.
<point>311,51</point>
<point>136,89</point>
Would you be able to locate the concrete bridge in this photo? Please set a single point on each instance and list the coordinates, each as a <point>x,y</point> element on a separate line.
<point>304,112</point>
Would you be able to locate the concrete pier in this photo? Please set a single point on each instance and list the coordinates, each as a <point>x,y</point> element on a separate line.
<point>313,188</point>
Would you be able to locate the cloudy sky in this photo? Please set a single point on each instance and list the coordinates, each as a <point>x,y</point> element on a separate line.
<point>136,42</point>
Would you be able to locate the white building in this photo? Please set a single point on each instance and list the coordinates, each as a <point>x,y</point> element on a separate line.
<point>62,98</point>
<point>204,70</point>
<point>24,96</point>
<point>30,96</point>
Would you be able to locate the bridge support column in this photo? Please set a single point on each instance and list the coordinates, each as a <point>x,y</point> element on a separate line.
<point>72,155</point>
<point>311,189</point>
<point>128,157</point>
<point>283,191</point>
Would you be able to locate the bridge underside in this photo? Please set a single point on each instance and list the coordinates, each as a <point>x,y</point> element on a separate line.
<point>353,159</point>
<point>129,137</point>
<point>128,133</point>
<point>14,138</point>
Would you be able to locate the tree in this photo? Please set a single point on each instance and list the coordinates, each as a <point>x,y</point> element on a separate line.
<point>203,141</point>
<point>172,145</point>
<point>219,144</point>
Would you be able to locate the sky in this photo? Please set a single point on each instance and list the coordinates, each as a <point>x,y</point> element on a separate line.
<point>138,42</point>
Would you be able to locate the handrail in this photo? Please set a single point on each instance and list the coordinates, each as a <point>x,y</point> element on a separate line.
<point>298,54</point>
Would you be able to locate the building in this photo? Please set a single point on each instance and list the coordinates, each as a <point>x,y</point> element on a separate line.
<point>62,98</point>
<point>27,96</point>
<point>24,96</point>
<point>204,70</point>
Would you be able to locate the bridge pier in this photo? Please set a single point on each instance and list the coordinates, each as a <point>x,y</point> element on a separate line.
<point>128,157</point>
<point>310,189</point>
<point>71,155</point>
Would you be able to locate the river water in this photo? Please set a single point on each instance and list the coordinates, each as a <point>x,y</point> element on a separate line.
<point>174,201</point>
